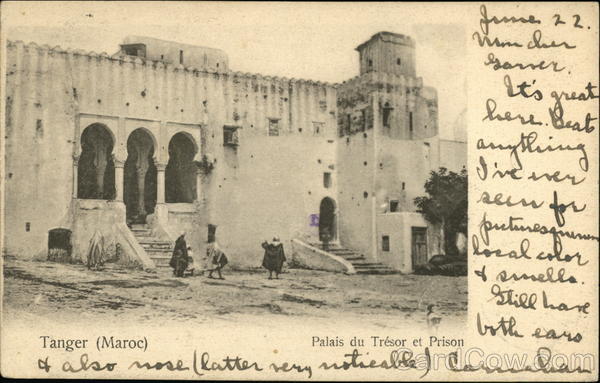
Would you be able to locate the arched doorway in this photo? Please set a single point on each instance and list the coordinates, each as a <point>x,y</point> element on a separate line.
<point>140,176</point>
<point>96,169</point>
<point>180,173</point>
<point>327,221</point>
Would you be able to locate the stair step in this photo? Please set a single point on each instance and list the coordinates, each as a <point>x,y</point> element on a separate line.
<point>371,268</point>
<point>359,262</point>
<point>353,259</point>
<point>379,272</point>
<point>156,244</point>
<point>162,251</point>
<point>161,262</point>
<point>367,264</point>
<point>160,256</point>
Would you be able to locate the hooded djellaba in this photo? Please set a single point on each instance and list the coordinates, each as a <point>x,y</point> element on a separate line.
<point>179,260</point>
<point>274,257</point>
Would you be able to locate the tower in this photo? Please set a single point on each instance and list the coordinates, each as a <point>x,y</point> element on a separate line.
<point>388,52</point>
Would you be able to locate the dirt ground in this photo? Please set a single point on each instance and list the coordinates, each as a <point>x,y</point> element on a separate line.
<point>71,292</point>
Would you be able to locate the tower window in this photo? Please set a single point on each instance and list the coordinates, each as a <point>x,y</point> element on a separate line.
<point>398,61</point>
<point>181,57</point>
<point>327,180</point>
<point>394,206</point>
<point>370,63</point>
<point>385,243</point>
<point>387,111</point>
<point>363,114</point>
<point>317,128</point>
<point>410,121</point>
<point>273,127</point>
<point>230,136</point>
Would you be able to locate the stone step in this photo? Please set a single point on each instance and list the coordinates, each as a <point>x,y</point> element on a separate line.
<point>139,226</point>
<point>358,261</point>
<point>353,259</point>
<point>377,271</point>
<point>141,232</point>
<point>352,255</point>
<point>161,261</point>
<point>168,250</point>
<point>342,252</point>
<point>369,266</point>
<point>156,244</point>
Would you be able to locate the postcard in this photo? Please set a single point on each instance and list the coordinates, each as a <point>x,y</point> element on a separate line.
<point>299,191</point>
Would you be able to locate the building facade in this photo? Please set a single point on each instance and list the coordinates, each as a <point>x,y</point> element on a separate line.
<point>165,136</point>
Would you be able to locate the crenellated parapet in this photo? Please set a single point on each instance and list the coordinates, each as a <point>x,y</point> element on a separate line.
<point>154,90</point>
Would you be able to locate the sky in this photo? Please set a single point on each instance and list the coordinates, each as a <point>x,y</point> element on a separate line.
<point>296,40</point>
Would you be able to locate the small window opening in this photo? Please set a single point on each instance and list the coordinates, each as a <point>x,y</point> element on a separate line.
<point>181,57</point>
<point>327,180</point>
<point>398,62</point>
<point>273,127</point>
<point>385,243</point>
<point>230,136</point>
<point>370,63</point>
<point>317,128</point>
<point>393,206</point>
<point>410,121</point>
<point>27,226</point>
<point>403,186</point>
<point>387,111</point>
<point>364,120</point>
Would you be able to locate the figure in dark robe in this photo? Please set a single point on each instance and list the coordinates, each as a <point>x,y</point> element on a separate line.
<point>179,260</point>
<point>274,257</point>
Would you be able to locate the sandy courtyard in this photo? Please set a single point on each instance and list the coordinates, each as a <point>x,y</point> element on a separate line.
<point>67,293</point>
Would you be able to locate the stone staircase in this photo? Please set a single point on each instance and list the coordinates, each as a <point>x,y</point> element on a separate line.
<point>160,251</point>
<point>358,261</point>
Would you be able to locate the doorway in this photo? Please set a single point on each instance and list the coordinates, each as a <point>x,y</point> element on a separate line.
<point>139,191</point>
<point>59,245</point>
<point>327,220</point>
<point>419,246</point>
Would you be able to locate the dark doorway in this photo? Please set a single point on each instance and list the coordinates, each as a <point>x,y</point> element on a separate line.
<point>419,246</point>
<point>327,224</point>
<point>59,245</point>
<point>180,174</point>
<point>140,177</point>
<point>96,169</point>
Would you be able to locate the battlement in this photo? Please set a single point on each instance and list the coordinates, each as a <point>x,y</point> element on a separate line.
<point>149,63</point>
<point>390,37</point>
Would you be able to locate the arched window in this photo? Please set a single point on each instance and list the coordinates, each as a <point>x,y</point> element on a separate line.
<point>180,174</point>
<point>96,170</point>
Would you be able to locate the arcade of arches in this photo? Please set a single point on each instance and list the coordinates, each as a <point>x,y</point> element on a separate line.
<point>140,182</point>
